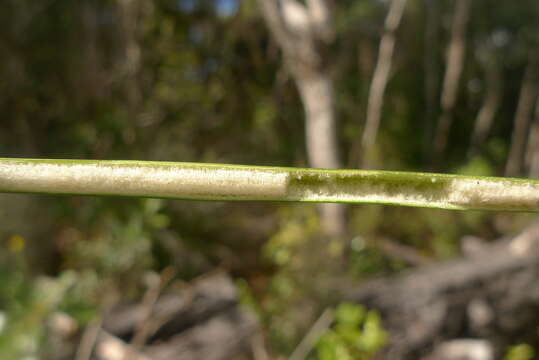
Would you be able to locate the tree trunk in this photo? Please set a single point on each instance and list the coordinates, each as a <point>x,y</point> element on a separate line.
<point>455,64</point>
<point>379,83</point>
<point>431,66</point>
<point>316,93</point>
<point>532,151</point>
<point>491,103</point>
<point>522,118</point>
<point>302,31</point>
<point>90,57</point>
<point>129,65</point>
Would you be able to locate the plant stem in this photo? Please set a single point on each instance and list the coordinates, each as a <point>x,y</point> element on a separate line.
<point>198,181</point>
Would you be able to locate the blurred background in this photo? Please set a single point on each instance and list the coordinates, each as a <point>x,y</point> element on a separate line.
<point>413,85</point>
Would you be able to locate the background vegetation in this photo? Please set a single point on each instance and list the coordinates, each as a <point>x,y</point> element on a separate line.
<point>204,80</point>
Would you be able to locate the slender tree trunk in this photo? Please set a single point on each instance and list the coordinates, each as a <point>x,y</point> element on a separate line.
<point>302,30</point>
<point>431,65</point>
<point>525,106</point>
<point>317,96</point>
<point>532,151</point>
<point>491,103</point>
<point>379,82</point>
<point>90,57</point>
<point>129,65</point>
<point>455,63</point>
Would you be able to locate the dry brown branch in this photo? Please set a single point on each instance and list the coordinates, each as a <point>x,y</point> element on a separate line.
<point>223,336</point>
<point>89,339</point>
<point>309,341</point>
<point>401,252</point>
<point>145,327</point>
<point>202,320</point>
<point>258,347</point>
<point>110,347</point>
<point>492,295</point>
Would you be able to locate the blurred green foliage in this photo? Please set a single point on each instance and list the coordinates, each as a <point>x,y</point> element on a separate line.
<point>357,334</point>
<point>520,352</point>
<point>285,309</point>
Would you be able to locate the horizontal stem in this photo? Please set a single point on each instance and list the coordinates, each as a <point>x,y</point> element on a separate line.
<point>200,181</point>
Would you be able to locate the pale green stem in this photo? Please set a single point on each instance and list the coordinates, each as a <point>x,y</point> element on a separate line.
<point>199,181</point>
